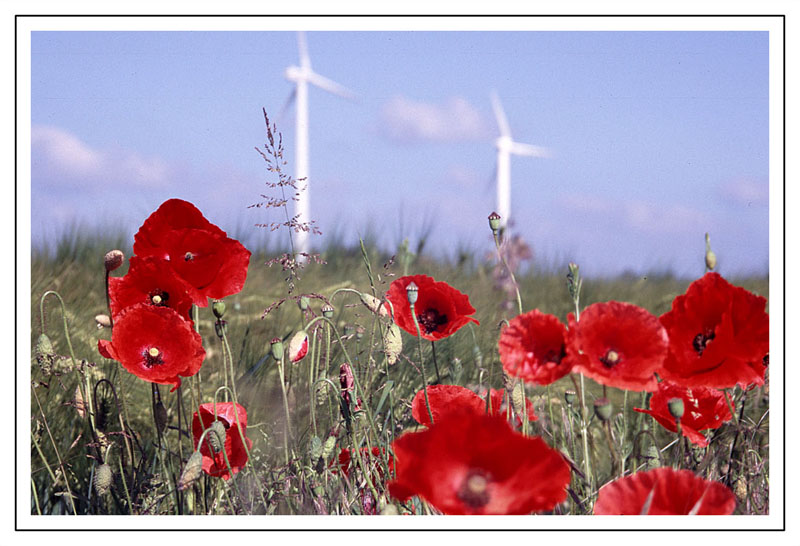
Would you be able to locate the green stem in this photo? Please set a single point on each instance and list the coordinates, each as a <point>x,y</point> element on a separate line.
<point>422,363</point>
<point>511,273</point>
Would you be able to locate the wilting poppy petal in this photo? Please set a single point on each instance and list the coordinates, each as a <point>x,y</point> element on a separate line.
<point>704,408</point>
<point>617,344</point>
<point>441,309</point>
<point>211,263</point>
<point>155,344</point>
<point>718,336</point>
<point>532,347</point>
<point>468,463</point>
<point>214,463</point>
<point>149,280</point>
<point>664,491</point>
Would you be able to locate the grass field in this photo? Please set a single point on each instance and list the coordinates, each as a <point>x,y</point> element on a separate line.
<point>737,455</point>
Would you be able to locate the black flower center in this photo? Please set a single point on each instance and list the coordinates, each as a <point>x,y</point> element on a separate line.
<point>152,357</point>
<point>474,491</point>
<point>701,341</point>
<point>610,359</point>
<point>159,297</point>
<point>556,355</point>
<point>188,257</point>
<point>431,319</point>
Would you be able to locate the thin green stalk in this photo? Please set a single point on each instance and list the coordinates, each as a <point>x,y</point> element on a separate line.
<point>511,273</point>
<point>286,410</point>
<point>422,363</point>
<point>35,497</point>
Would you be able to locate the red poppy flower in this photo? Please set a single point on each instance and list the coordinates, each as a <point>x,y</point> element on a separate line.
<point>718,336</point>
<point>703,409</point>
<point>532,347</point>
<point>664,491</point>
<point>373,461</point>
<point>149,280</point>
<point>440,308</point>
<point>617,344</point>
<point>214,462</point>
<point>468,463</point>
<point>445,399</point>
<point>212,264</point>
<point>155,344</point>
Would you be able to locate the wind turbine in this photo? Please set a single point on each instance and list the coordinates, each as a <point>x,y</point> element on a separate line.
<point>505,147</point>
<point>303,75</point>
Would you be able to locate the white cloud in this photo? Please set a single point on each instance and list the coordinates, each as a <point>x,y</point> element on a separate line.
<point>59,157</point>
<point>406,121</point>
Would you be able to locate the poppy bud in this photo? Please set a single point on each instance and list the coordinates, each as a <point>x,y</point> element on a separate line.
<point>160,417</point>
<point>346,379</point>
<point>675,406</point>
<point>711,258</point>
<point>80,405</point>
<point>392,343</point>
<point>494,221</point>
<point>113,259</point>
<point>740,488</point>
<point>192,471</point>
<point>412,292</point>
<point>218,308</point>
<point>518,398</point>
<point>327,311</point>
<point>276,348</point>
<point>103,321</point>
<point>102,479</point>
<point>570,397</point>
<point>374,304</point>
<point>603,409</point>
<point>44,353</point>
<point>221,328</point>
<point>315,449</point>
<point>216,436</point>
<point>298,346</point>
<point>328,447</point>
<point>302,303</point>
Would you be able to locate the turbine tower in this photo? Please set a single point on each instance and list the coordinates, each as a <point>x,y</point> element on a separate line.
<point>303,75</point>
<point>505,147</point>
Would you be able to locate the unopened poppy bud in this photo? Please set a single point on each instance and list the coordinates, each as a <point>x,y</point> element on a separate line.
<point>412,292</point>
<point>192,471</point>
<point>603,409</point>
<point>102,479</point>
<point>392,343</point>
<point>44,353</point>
<point>327,311</point>
<point>216,436</point>
<point>675,406</point>
<point>218,308</point>
<point>113,259</point>
<point>160,417</point>
<point>103,321</point>
<point>570,397</point>
<point>328,447</point>
<point>315,448</point>
<point>298,346</point>
<point>711,260</point>
<point>374,304</point>
<point>221,328</point>
<point>302,303</point>
<point>346,379</point>
<point>276,348</point>
<point>518,398</point>
<point>494,221</point>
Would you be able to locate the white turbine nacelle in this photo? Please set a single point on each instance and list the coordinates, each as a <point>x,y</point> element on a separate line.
<point>505,147</point>
<point>301,76</point>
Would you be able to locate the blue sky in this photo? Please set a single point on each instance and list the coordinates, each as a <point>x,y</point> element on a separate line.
<point>657,137</point>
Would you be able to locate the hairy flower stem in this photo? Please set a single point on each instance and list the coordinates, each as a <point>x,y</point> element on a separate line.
<point>511,273</point>
<point>286,410</point>
<point>422,363</point>
<point>435,365</point>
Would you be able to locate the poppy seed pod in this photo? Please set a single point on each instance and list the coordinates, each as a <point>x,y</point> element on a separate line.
<point>218,308</point>
<point>494,221</point>
<point>216,436</point>
<point>570,397</point>
<point>603,409</point>
<point>327,311</point>
<point>102,479</point>
<point>412,292</point>
<point>302,303</point>
<point>192,471</point>
<point>298,346</point>
<point>349,329</point>
<point>113,259</point>
<point>675,406</point>
<point>276,348</point>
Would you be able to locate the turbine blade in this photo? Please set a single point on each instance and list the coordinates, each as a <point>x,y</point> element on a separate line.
<point>500,115</point>
<point>305,60</point>
<point>330,86</point>
<point>288,103</point>
<point>518,148</point>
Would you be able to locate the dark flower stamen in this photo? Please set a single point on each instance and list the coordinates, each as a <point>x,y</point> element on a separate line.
<point>152,357</point>
<point>556,356</point>
<point>188,257</point>
<point>611,359</point>
<point>159,297</point>
<point>474,491</point>
<point>702,340</point>
<point>431,319</point>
